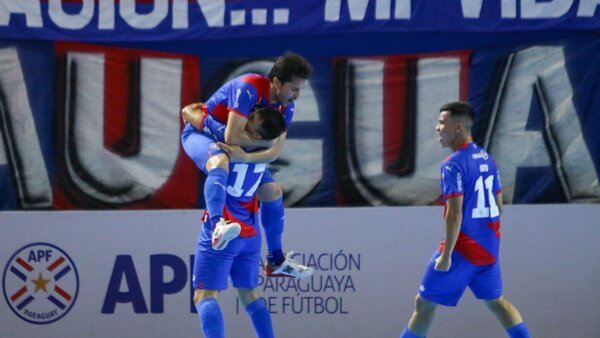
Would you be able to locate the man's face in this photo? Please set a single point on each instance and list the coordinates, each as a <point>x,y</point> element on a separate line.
<point>253,125</point>
<point>288,92</point>
<point>446,129</point>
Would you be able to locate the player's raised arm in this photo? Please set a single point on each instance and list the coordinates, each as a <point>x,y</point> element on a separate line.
<point>262,124</point>
<point>237,154</point>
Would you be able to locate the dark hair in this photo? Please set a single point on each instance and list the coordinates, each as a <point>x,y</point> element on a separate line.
<point>290,65</point>
<point>460,110</point>
<point>273,123</point>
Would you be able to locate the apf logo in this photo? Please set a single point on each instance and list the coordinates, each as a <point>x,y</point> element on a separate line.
<point>40,283</point>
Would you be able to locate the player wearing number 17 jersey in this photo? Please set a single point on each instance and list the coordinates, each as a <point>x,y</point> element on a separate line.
<point>468,256</point>
<point>231,105</point>
<point>240,258</point>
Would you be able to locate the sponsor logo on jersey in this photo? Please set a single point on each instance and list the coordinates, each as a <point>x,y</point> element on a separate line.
<point>481,154</point>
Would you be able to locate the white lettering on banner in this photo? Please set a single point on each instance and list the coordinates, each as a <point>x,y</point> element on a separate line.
<point>99,173</point>
<point>532,9</point>
<point>437,82</point>
<point>30,8</point>
<point>71,21</point>
<point>358,9</point>
<point>294,170</point>
<point>587,8</point>
<point>212,10</point>
<point>22,143</point>
<point>106,15</point>
<point>147,20</point>
<point>514,147</point>
<point>471,9</point>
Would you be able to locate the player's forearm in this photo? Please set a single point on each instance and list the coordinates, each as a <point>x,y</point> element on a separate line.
<point>500,202</point>
<point>269,154</point>
<point>242,139</point>
<point>261,156</point>
<point>453,220</point>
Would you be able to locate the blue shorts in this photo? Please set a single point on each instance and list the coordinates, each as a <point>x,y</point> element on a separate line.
<point>198,146</point>
<point>240,260</point>
<point>446,288</point>
<point>266,178</point>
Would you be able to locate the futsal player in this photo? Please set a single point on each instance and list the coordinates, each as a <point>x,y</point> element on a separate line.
<point>240,259</point>
<point>468,257</point>
<point>231,105</point>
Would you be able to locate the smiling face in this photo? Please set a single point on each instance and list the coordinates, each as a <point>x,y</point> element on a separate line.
<point>286,92</point>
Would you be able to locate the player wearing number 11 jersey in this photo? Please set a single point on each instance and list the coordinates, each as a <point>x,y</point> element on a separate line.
<point>471,169</point>
<point>468,256</point>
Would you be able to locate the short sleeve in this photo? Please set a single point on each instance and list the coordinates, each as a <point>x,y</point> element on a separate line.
<point>243,98</point>
<point>452,180</point>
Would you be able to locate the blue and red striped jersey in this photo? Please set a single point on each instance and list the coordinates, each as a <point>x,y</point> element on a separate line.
<point>471,172</point>
<point>242,95</point>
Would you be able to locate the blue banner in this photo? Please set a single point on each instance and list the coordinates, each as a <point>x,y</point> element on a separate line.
<point>174,20</point>
<point>91,93</point>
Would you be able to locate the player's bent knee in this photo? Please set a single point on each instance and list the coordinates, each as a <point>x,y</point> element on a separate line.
<point>247,296</point>
<point>218,161</point>
<point>201,294</point>
<point>269,192</point>
<point>422,305</point>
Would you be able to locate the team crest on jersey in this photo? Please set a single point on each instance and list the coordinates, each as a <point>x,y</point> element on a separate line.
<point>214,146</point>
<point>40,283</point>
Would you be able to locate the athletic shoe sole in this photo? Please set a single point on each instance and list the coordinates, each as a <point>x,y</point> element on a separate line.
<point>225,236</point>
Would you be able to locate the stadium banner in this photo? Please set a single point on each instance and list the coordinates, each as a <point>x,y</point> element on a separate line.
<point>127,274</point>
<point>165,20</point>
<point>97,126</point>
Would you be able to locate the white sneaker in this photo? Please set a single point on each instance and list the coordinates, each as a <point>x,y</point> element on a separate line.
<point>223,233</point>
<point>289,268</point>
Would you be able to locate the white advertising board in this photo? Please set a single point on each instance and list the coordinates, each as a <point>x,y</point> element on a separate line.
<point>127,274</point>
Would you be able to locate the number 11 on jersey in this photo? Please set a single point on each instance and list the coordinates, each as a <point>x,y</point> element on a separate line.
<point>482,211</point>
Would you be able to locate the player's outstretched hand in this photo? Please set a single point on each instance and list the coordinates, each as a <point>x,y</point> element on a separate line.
<point>443,263</point>
<point>235,153</point>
